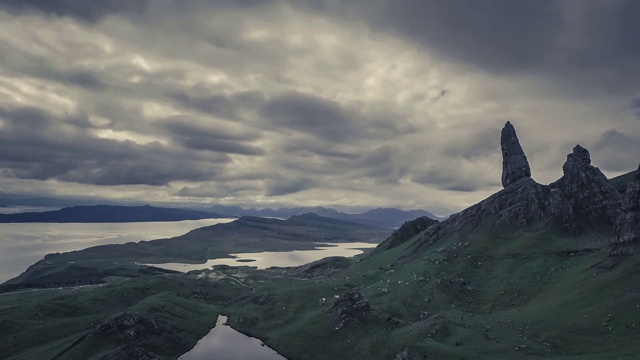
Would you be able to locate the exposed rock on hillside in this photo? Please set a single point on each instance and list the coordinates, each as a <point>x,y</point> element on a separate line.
<point>407,231</point>
<point>586,188</point>
<point>627,228</point>
<point>348,307</point>
<point>514,163</point>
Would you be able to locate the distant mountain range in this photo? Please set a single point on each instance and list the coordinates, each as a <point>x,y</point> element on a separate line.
<point>380,217</point>
<point>109,214</point>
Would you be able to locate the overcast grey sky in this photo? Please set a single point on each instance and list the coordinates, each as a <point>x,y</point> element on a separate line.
<point>317,102</point>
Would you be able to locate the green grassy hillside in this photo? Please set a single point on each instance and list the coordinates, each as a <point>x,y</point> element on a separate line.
<point>512,295</point>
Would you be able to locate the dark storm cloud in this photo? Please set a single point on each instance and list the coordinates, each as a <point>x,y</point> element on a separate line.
<point>34,145</point>
<point>616,151</point>
<point>559,38</point>
<point>383,164</point>
<point>224,106</point>
<point>328,120</point>
<point>89,11</point>
<point>318,148</point>
<point>474,144</point>
<point>85,80</point>
<point>453,176</point>
<point>205,138</point>
<point>285,186</point>
<point>496,33</point>
<point>220,189</point>
<point>313,115</point>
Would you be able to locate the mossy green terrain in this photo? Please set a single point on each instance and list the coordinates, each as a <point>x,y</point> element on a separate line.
<point>522,295</point>
<point>164,315</point>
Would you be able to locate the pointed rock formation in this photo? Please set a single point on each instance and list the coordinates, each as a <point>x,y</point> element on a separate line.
<point>581,200</point>
<point>514,163</point>
<point>627,228</point>
<point>587,189</point>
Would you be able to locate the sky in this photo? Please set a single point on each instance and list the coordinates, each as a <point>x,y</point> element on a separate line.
<point>349,104</point>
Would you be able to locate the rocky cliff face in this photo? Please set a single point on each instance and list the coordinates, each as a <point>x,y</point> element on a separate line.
<point>627,228</point>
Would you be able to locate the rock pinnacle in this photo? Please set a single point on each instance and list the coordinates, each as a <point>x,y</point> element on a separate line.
<point>514,162</point>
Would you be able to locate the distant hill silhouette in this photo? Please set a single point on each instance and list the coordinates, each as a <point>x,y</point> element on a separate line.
<point>109,214</point>
<point>380,217</point>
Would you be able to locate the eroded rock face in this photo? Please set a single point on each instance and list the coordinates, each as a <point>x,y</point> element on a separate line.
<point>627,228</point>
<point>514,162</point>
<point>586,188</point>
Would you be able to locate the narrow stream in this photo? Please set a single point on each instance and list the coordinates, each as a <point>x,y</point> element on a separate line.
<point>224,343</point>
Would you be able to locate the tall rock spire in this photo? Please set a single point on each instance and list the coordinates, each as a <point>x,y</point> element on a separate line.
<point>514,162</point>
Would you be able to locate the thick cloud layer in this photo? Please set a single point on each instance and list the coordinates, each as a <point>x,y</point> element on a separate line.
<point>334,103</point>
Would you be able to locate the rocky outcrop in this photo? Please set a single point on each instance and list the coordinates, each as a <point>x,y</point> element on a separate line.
<point>348,307</point>
<point>581,199</point>
<point>586,189</point>
<point>627,229</point>
<point>128,325</point>
<point>406,232</point>
<point>514,162</point>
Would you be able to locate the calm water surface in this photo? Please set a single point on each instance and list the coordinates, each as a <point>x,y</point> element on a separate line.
<point>263,260</point>
<point>224,343</point>
<point>21,245</point>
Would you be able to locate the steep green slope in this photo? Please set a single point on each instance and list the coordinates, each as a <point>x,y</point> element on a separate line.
<point>514,294</point>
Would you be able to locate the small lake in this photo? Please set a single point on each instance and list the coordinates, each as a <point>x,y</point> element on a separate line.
<point>263,260</point>
<point>224,343</point>
<point>23,244</point>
